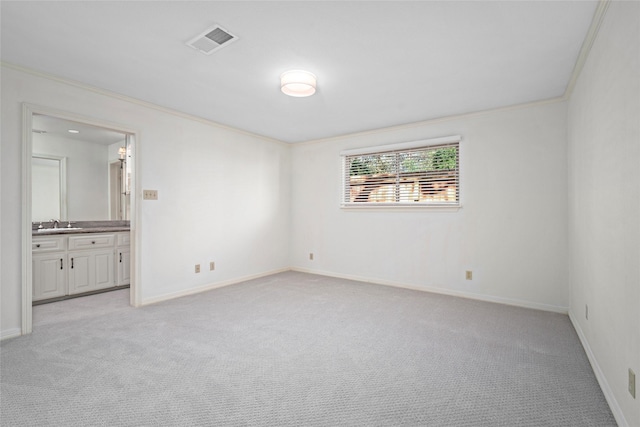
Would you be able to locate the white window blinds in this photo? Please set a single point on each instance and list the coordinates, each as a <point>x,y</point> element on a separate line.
<point>422,173</point>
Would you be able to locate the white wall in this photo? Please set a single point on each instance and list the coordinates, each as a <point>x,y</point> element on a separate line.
<point>604,204</point>
<point>511,231</point>
<point>223,194</point>
<point>87,175</point>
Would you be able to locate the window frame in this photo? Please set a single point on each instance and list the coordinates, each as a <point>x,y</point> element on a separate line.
<point>399,148</point>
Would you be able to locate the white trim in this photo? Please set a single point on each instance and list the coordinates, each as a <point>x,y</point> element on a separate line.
<point>135,213</point>
<point>602,379</point>
<point>430,122</point>
<point>135,101</point>
<point>592,34</point>
<point>401,146</point>
<point>10,333</point>
<point>209,287</point>
<point>66,115</point>
<point>398,207</point>
<point>27,282</point>
<point>442,291</point>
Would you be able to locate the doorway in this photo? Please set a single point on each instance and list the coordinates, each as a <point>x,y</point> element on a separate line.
<point>125,204</point>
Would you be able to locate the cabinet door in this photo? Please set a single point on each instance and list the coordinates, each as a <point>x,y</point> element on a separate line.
<point>49,275</point>
<point>124,266</point>
<point>80,272</point>
<point>90,270</point>
<point>104,276</point>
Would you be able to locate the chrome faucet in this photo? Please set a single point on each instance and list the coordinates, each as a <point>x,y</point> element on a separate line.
<point>55,222</point>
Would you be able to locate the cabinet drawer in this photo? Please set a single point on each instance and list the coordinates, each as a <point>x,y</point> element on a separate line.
<point>92,241</point>
<point>44,244</point>
<point>124,239</point>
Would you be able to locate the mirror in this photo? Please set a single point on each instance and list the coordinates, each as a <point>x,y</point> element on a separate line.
<point>79,172</point>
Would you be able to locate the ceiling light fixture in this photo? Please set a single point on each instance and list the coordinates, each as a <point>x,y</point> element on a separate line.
<point>73,131</point>
<point>298,83</point>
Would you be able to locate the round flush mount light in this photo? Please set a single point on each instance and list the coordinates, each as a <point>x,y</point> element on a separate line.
<point>298,83</point>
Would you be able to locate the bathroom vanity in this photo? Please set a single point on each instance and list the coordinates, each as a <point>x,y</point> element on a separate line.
<point>80,260</point>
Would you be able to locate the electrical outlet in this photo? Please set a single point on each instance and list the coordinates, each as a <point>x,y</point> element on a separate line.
<point>212,266</point>
<point>150,194</point>
<point>469,275</point>
<point>197,268</point>
<point>586,311</point>
<point>632,383</point>
<point>311,256</point>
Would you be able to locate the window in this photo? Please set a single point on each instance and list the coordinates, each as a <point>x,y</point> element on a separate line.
<point>421,173</point>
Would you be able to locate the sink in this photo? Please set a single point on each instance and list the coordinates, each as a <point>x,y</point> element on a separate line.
<point>58,230</point>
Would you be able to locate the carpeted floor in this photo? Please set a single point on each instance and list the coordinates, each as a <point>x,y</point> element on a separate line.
<point>295,349</point>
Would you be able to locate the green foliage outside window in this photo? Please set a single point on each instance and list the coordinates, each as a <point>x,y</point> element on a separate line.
<point>444,158</point>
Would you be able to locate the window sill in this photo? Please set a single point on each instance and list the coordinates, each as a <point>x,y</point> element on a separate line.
<point>399,207</point>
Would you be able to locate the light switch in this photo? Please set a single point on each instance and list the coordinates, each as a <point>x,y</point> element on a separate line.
<point>150,194</point>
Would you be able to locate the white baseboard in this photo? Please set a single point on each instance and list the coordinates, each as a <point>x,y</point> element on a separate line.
<point>479,297</point>
<point>10,333</point>
<point>208,287</point>
<point>602,379</point>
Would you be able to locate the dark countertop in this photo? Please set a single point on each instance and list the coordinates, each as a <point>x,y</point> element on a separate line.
<point>80,227</point>
<point>63,230</point>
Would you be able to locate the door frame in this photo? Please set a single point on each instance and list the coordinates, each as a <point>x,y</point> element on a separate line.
<point>115,189</point>
<point>28,110</point>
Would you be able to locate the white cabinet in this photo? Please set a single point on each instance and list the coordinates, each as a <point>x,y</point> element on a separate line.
<point>90,271</point>
<point>75,264</point>
<point>91,264</point>
<point>42,244</point>
<point>92,241</point>
<point>123,259</point>
<point>123,268</point>
<point>49,275</point>
<point>48,267</point>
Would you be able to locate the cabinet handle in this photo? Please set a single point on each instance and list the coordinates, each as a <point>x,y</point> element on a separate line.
<point>93,242</point>
<point>38,245</point>
<point>60,263</point>
<point>120,256</point>
<point>71,262</point>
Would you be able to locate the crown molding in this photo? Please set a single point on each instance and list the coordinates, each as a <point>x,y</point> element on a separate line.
<point>433,121</point>
<point>137,101</point>
<point>592,34</point>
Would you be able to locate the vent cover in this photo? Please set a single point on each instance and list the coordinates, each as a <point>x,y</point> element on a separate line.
<point>211,40</point>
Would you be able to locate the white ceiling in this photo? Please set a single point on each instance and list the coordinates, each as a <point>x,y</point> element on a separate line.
<point>378,64</point>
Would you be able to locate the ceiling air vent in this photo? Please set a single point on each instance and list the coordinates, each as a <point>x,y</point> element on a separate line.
<point>211,40</point>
